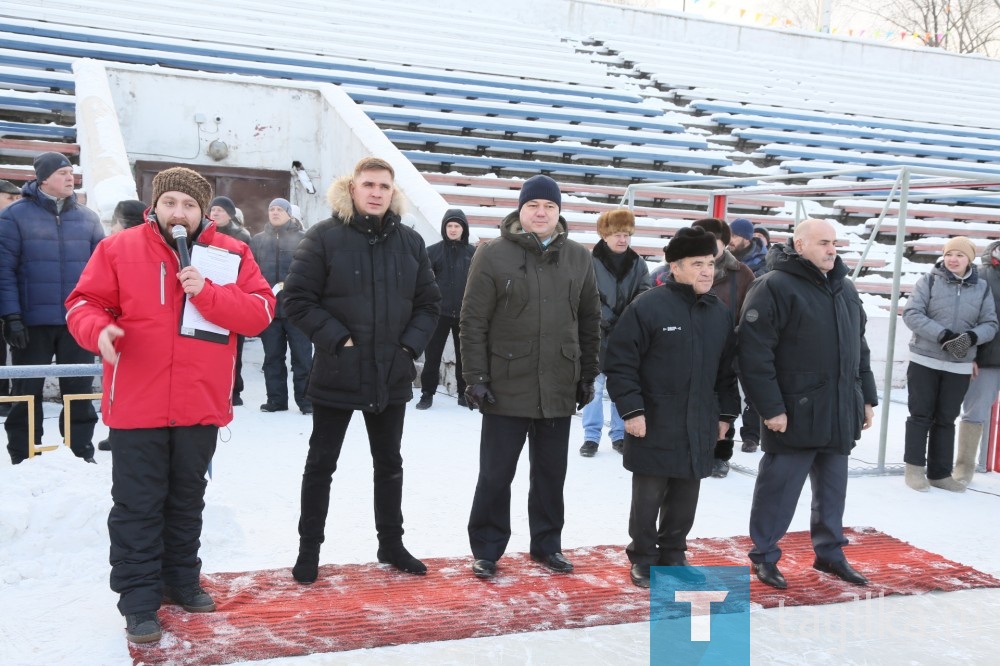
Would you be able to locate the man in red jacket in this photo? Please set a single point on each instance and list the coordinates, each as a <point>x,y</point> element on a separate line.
<point>165,394</point>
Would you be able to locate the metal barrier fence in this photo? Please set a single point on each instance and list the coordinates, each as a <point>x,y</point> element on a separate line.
<point>43,371</point>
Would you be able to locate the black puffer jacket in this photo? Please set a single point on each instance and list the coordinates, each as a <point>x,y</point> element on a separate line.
<point>273,249</point>
<point>619,280</point>
<point>802,352</point>
<point>355,276</point>
<point>450,260</point>
<point>670,358</point>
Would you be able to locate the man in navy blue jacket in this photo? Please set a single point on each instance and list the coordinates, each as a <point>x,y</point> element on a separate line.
<point>46,239</point>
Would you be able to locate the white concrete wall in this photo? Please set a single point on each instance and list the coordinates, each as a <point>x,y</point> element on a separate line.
<point>266,124</point>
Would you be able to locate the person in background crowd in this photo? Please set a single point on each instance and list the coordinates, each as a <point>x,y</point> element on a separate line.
<point>9,193</point>
<point>950,311</point>
<point>128,213</point>
<point>531,334</point>
<point>804,363</point>
<point>621,276</point>
<point>273,248</point>
<point>985,384</point>
<point>223,212</point>
<point>670,371</point>
<point>450,259</point>
<point>46,239</point>
<point>165,394</point>
<point>763,234</point>
<point>746,247</point>
<point>361,287</point>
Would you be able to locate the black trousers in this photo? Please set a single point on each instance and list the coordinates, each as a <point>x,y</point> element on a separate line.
<point>499,449</point>
<point>238,380</point>
<point>385,434</point>
<point>674,501</point>
<point>44,343</point>
<point>935,400</point>
<point>780,478</point>
<point>431,375</point>
<point>158,487</point>
<point>281,336</point>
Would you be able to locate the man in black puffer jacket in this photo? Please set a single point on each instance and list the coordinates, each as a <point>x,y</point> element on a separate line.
<point>361,287</point>
<point>273,249</point>
<point>450,260</point>
<point>670,372</point>
<point>805,366</point>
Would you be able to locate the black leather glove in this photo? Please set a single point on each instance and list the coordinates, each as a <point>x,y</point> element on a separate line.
<point>959,345</point>
<point>478,394</point>
<point>14,331</point>
<point>584,393</point>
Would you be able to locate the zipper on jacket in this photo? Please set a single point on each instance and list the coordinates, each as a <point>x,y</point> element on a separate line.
<point>163,278</point>
<point>506,291</point>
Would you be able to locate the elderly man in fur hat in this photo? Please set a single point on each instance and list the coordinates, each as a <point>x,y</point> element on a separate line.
<point>361,287</point>
<point>621,276</point>
<point>166,394</point>
<point>670,372</point>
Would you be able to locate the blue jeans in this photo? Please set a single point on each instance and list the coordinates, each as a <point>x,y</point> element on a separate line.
<point>593,416</point>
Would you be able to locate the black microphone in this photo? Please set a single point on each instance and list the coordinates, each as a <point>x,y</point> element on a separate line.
<point>180,235</point>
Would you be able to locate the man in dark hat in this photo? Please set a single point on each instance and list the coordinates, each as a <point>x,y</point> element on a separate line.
<point>46,238</point>
<point>171,391</point>
<point>746,247</point>
<point>450,259</point>
<point>9,193</point>
<point>670,372</point>
<point>530,331</point>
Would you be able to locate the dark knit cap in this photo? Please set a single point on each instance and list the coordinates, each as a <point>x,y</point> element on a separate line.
<point>763,232</point>
<point>7,187</point>
<point>226,204</point>
<point>47,164</point>
<point>690,242</point>
<point>742,227</point>
<point>281,203</point>
<point>186,181</point>
<point>539,187</point>
<point>129,213</point>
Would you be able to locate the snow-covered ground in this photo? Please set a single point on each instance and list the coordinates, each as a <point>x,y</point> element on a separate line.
<point>56,608</point>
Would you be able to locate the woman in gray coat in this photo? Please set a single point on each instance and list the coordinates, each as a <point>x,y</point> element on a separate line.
<point>950,312</point>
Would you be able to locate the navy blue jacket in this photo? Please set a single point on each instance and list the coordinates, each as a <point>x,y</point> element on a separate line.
<point>450,260</point>
<point>42,254</point>
<point>273,250</point>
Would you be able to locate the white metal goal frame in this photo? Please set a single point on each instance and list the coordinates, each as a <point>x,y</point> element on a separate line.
<point>890,184</point>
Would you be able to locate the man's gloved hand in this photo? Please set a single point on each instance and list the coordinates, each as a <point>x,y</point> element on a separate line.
<point>584,393</point>
<point>960,344</point>
<point>478,394</point>
<point>947,336</point>
<point>14,331</point>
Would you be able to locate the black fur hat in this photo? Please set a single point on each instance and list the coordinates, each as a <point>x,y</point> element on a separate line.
<point>690,242</point>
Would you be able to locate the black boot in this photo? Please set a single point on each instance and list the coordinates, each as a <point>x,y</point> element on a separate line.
<point>400,558</point>
<point>306,567</point>
<point>426,400</point>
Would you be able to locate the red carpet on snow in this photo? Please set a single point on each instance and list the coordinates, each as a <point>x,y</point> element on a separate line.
<point>266,614</point>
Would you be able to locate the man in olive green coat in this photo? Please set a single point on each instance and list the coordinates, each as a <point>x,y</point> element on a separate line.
<point>530,333</point>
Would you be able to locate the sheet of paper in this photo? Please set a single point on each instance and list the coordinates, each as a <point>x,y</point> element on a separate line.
<point>221,267</point>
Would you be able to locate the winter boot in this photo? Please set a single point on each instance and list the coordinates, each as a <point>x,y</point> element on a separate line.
<point>400,558</point>
<point>916,479</point>
<point>947,483</point>
<point>720,468</point>
<point>969,435</point>
<point>306,567</point>
<point>426,400</point>
<point>589,449</point>
<point>143,627</point>
<point>619,445</point>
<point>191,598</point>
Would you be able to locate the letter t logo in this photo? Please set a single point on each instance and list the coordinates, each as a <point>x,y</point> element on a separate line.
<point>701,610</point>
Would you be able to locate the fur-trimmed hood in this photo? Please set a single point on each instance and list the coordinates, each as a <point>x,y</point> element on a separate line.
<point>339,198</point>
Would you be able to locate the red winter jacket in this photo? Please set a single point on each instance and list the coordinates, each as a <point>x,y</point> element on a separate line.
<point>163,379</point>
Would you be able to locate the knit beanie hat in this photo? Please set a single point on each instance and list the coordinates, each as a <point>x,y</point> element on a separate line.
<point>742,227</point>
<point>961,244</point>
<point>690,242</point>
<point>539,187</point>
<point>186,181</point>
<point>759,229</point>
<point>225,203</point>
<point>284,203</point>
<point>618,221</point>
<point>47,164</point>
